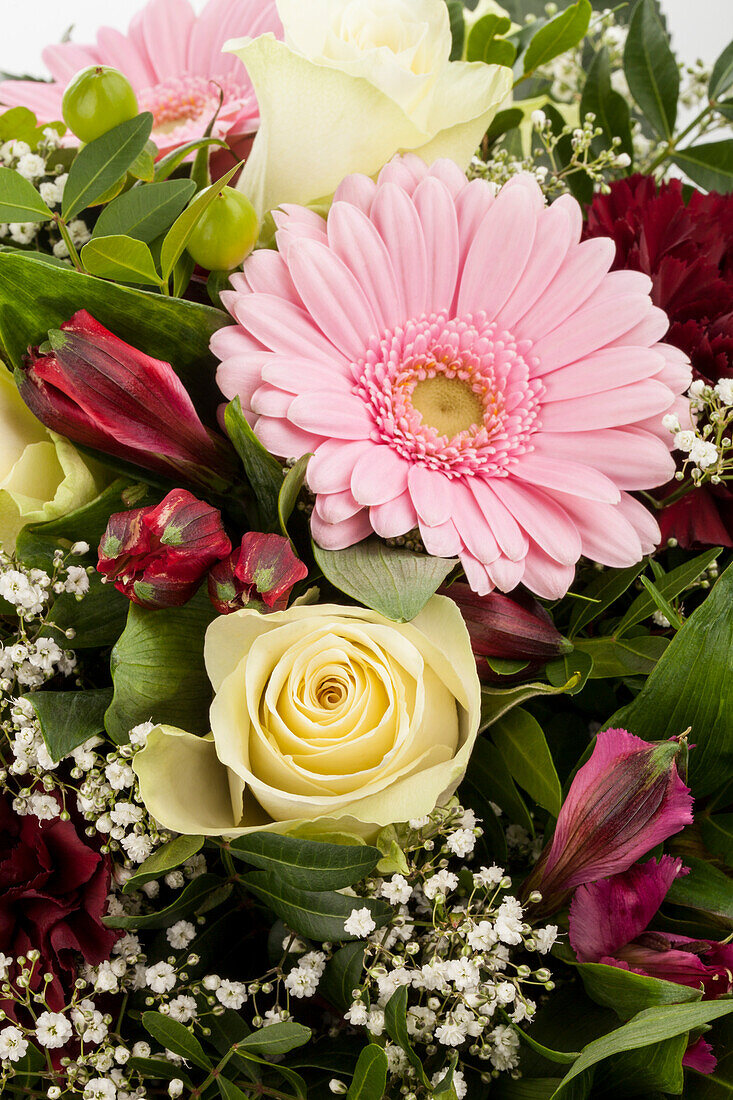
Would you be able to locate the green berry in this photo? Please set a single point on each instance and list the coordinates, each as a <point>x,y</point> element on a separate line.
<point>226,233</point>
<point>96,100</point>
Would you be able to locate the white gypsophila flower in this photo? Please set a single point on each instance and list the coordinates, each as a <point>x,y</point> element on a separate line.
<point>89,1022</point>
<point>671,422</point>
<point>231,994</point>
<point>450,1034</point>
<point>724,391</point>
<point>181,934</point>
<point>506,1044</point>
<point>174,879</point>
<point>43,806</point>
<point>546,937</point>
<point>359,923</point>
<point>375,1021</point>
<point>60,250</point>
<point>703,454</point>
<point>418,823</point>
<point>685,441</point>
<point>482,936</point>
<point>79,232</point>
<point>488,876</point>
<point>275,1015</point>
<point>23,232</point>
<point>461,843</point>
<point>141,1049</point>
<point>183,1009</point>
<point>211,982</point>
<point>301,982</point>
<point>14,150</point>
<point>119,775</point>
<point>357,1014</point>
<point>505,992</point>
<point>6,962</point>
<point>53,1030</point>
<point>660,619</point>
<point>137,846</point>
<point>126,813</point>
<point>396,890</point>
<point>100,1088</point>
<point>442,882</point>
<point>77,580</point>
<point>397,1061</point>
<point>509,924</point>
<point>459,1082</point>
<point>139,734</point>
<point>175,1088</point>
<point>106,978</point>
<point>13,1046</point>
<point>31,167</point>
<point>50,193</point>
<point>161,977</point>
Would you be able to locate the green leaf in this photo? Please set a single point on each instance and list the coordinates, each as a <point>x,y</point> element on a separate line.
<point>19,200</point>
<point>276,1039</point>
<point>628,993</point>
<point>394,582</point>
<point>159,1068</point>
<point>709,165</point>
<point>102,162</point>
<point>562,33</point>
<point>651,1026</point>
<point>670,586</point>
<point>228,1090</point>
<point>457,28</point>
<point>180,232</point>
<point>489,773</point>
<point>97,620</point>
<point>122,259</point>
<point>69,718</point>
<point>500,52</point>
<point>395,1022</point>
<point>198,896</point>
<point>692,686</point>
<point>158,669</point>
<point>290,491</point>
<point>163,860</point>
<point>616,657</point>
<point>35,297</point>
<point>503,122</point>
<point>315,915</point>
<point>307,864</point>
<point>721,78</point>
<point>370,1077</point>
<point>167,165</point>
<point>603,591</point>
<point>645,1073</point>
<point>651,69</point>
<point>578,665</point>
<point>344,972</point>
<point>561,1057</point>
<point>145,212</point>
<point>264,472</point>
<point>662,604</point>
<point>495,702</point>
<point>483,33</point>
<point>705,889</point>
<point>717,832</point>
<point>174,1036</point>
<point>521,742</point>
<point>609,106</point>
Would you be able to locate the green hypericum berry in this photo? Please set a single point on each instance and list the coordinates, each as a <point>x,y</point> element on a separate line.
<point>96,100</point>
<point>226,233</point>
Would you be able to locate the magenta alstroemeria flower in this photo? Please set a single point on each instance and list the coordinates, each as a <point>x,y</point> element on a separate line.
<point>98,391</point>
<point>609,924</point>
<point>260,573</point>
<point>158,556</point>
<point>626,799</point>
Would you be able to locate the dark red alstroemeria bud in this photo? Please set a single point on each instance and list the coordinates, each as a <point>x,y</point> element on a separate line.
<point>98,391</point>
<point>502,627</point>
<point>159,556</point>
<point>259,573</point>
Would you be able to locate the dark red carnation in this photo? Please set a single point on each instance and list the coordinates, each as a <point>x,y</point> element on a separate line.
<point>687,250</point>
<point>53,891</point>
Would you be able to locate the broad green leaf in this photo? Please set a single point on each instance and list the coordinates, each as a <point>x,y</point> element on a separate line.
<point>168,164</point>
<point>145,212</point>
<point>392,581</point>
<point>609,106</point>
<point>344,973</point>
<point>122,259</point>
<point>159,1068</point>
<point>488,772</point>
<point>691,687</point>
<point>19,200</point>
<point>20,124</point>
<point>648,1072</point>
<point>651,1026</point>
<point>97,620</point>
<point>228,1090</point>
<point>709,165</point>
<point>521,742</point>
<point>577,665</point>
<point>158,669</point>
<point>174,1036</point>
<point>651,69</point>
<point>560,1057</point>
<point>503,122</point>
<point>307,864</point>
<point>180,232</point>
<point>290,490</point>
<point>671,585</point>
<point>457,28</point>
<point>177,332</point>
<point>198,896</point>
<point>603,591</point>
<point>69,718</point>
<point>721,78</point>
<point>103,162</point>
<point>395,1023</point>
<point>163,860</point>
<point>315,915</point>
<point>264,473</point>
<point>500,52</point>
<point>370,1077</point>
<point>717,832</point>
<point>628,993</point>
<point>483,32</point>
<point>562,33</point>
<point>495,702</point>
<point>275,1039</point>
<point>143,166</point>
<point>705,889</point>
<point>616,657</point>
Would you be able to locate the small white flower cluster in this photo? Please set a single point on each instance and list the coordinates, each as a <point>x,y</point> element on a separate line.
<point>708,444</point>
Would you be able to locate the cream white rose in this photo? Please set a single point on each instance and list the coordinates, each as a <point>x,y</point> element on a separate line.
<point>42,476</point>
<point>353,83</point>
<point>321,713</point>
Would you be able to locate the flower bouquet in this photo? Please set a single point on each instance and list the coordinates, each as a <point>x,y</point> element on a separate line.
<point>366,606</point>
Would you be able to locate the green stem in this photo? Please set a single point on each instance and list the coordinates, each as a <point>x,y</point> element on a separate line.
<point>75,258</point>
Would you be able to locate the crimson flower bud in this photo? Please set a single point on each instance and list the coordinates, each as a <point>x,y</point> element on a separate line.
<point>159,556</point>
<point>260,573</point>
<point>90,386</point>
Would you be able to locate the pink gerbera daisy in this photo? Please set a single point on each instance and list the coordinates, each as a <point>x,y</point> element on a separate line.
<point>174,61</point>
<point>458,361</point>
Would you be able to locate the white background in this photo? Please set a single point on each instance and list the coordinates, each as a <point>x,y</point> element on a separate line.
<point>700,28</point>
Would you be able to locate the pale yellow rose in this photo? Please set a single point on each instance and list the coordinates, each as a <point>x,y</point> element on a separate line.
<point>353,83</point>
<point>321,713</point>
<point>42,476</point>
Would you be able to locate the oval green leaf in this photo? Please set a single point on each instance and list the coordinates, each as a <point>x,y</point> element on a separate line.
<point>307,864</point>
<point>145,212</point>
<point>104,161</point>
<point>19,200</point>
<point>651,69</point>
<point>122,259</point>
<point>562,33</point>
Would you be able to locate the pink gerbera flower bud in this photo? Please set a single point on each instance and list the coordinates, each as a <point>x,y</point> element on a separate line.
<point>158,556</point>
<point>625,800</point>
<point>260,573</point>
<point>96,390</point>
